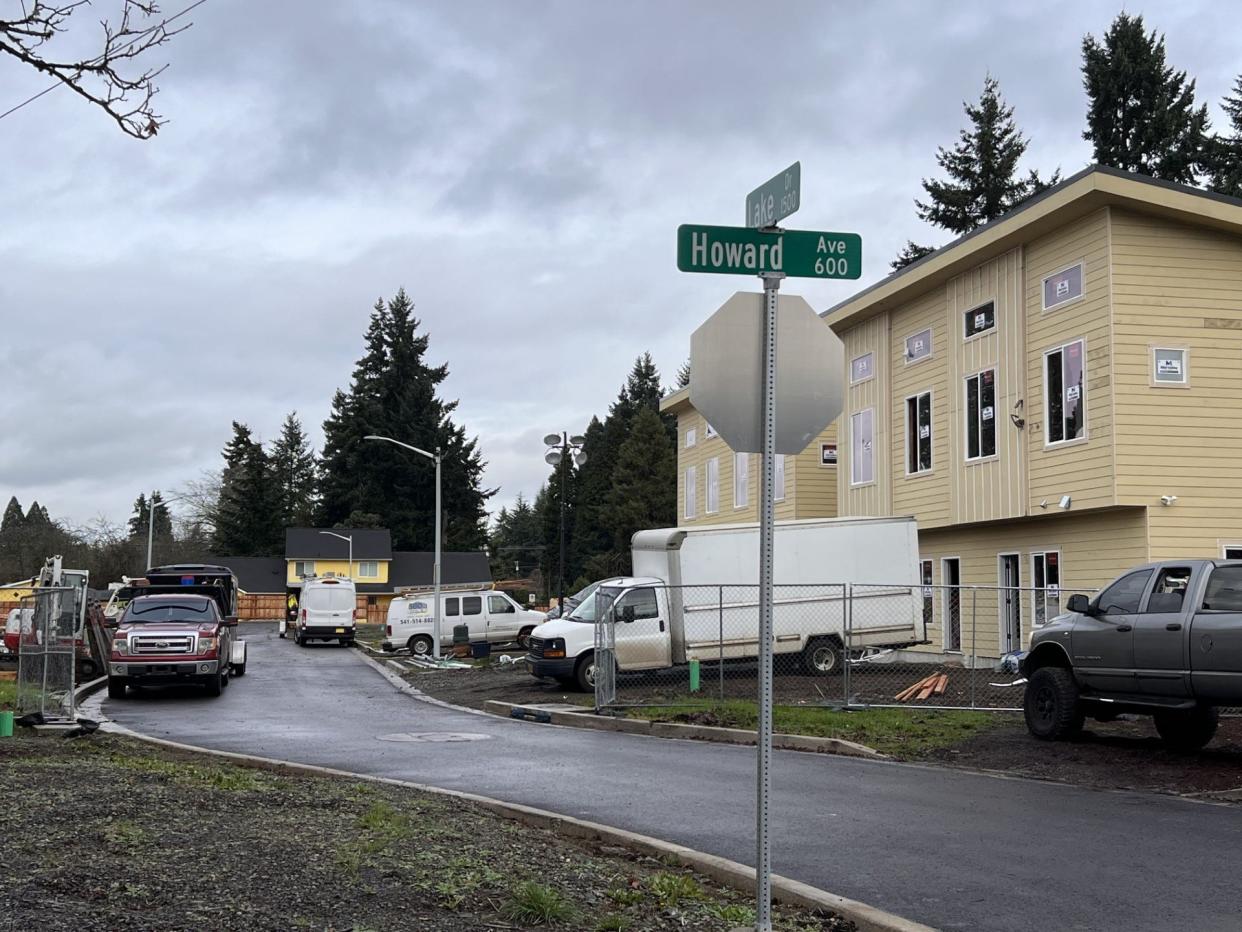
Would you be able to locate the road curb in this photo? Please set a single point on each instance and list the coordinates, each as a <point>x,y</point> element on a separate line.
<point>638,726</point>
<point>722,870</point>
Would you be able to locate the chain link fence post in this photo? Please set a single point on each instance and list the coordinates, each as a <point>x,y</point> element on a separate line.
<point>847,611</point>
<point>974,643</point>
<point>720,617</point>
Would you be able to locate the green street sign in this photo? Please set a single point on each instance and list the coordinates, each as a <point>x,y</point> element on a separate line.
<point>743,251</point>
<point>776,198</point>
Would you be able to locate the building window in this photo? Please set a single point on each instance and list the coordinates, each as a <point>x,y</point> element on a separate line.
<point>741,480</point>
<point>778,478</point>
<point>1063,287</point>
<point>1046,573</point>
<point>368,568</point>
<point>1168,366</point>
<point>708,431</point>
<point>925,572</point>
<point>951,581</point>
<point>692,492</point>
<point>862,452</point>
<point>980,320</point>
<point>713,485</point>
<point>862,368</point>
<point>981,415</point>
<point>304,568</point>
<point>828,454</point>
<point>1232,551</point>
<point>919,346</point>
<point>918,434</point>
<point>691,436</point>
<point>1065,393</point>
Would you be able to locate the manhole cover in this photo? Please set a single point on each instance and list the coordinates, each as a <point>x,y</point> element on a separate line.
<point>433,737</point>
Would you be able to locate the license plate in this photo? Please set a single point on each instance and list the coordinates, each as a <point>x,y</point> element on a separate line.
<point>340,630</point>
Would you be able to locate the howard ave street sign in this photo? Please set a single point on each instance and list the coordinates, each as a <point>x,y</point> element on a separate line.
<point>744,251</point>
<point>776,198</point>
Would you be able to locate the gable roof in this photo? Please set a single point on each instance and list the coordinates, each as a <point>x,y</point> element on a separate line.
<point>311,543</point>
<point>255,574</point>
<point>1087,191</point>
<point>415,568</point>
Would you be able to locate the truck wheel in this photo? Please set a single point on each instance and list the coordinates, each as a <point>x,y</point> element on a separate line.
<point>1053,712</point>
<point>1187,731</point>
<point>420,645</point>
<point>584,672</point>
<point>523,637</point>
<point>116,687</point>
<point>215,685</point>
<point>823,657</point>
<point>239,669</point>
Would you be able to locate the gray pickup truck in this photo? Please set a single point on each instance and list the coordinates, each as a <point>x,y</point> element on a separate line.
<point>1163,640</point>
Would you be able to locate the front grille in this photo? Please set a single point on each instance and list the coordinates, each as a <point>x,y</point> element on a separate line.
<point>162,644</point>
<point>536,647</point>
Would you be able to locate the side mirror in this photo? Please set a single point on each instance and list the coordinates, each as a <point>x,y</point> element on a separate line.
<point>1079,604</point>
<point>111,622</point>
<point>230,621</point>
<point>627,613</point>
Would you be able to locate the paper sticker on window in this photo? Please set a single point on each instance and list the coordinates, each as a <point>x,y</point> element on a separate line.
<point>828,454</point>
<point>927,593</point>
<point>924,431</point>
<point>1054,592</point>
<point>987,413</point>
<point>1072,392</point>
<point>1168,367</point>
<point>1062,287</point>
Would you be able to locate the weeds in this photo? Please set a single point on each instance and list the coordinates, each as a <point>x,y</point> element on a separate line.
<point>124,834</point>
<point>624,896</point>
<point>733,913</point>
<point>613,922</point>
<point>532,903</point>
<point>671,889</point>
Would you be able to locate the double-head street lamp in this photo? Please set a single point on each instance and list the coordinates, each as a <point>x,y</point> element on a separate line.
<point>350,539</point>
<point>562,446</point>
<point>151,520</point>
<point>435,572</point>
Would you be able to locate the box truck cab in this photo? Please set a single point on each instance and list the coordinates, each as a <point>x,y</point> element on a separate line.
<point>694,596</point>
<point>327,611</point>
<point>490,615</point>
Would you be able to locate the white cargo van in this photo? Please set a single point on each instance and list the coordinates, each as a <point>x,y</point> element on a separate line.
<point>327,610</point>
<point>694,596</point>
<point>491,616</point>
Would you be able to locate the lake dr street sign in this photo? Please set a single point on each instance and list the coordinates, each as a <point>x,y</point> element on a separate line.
<point>726,373</point>
<point>745,251</point>
<point>776,198</point>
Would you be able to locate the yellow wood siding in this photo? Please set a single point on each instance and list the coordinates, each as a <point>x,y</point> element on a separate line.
<point>873,498</point>
<point>339,568</point>
<point>1082,469</point>
<point>815,486</point>
<point>1094,549</point>
<point>1179,286</point>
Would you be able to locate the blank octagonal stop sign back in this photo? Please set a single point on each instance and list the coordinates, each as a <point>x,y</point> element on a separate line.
<point>726,373</point>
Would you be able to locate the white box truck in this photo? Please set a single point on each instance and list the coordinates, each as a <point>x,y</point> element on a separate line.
<point>694,595</point>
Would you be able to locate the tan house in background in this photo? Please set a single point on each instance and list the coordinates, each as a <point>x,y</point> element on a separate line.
<point>1055,397</point>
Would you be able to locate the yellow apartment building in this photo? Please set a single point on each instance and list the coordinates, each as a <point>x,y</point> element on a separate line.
<point>1055,397</point>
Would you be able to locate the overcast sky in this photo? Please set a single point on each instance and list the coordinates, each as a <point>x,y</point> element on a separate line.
<point>519,167</point>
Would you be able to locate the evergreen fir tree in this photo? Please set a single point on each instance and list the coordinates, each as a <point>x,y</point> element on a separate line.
<point>1141,114</point>
<point>1225,152</point>
<point>644,485</point>
<point>163,529</point>
<point>247,520</point>
<point>549,504</point>
<point>14,518</point>
<point>683,375</point>
<point>911,252</point>
<point>982,169</point>
<point>294,474</point>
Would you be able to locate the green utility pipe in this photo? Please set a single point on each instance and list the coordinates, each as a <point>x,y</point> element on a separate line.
<point>694,676</point>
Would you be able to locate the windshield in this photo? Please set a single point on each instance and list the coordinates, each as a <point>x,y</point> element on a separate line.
<point>196,611</point>
<point>329,599</point>
<point>584,593</point>
<point>598,601</point>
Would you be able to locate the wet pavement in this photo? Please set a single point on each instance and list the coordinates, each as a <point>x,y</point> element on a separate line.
<point>952,849</point>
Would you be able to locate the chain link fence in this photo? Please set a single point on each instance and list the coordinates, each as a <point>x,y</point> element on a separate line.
<point>836,644</point>
<point>47,654</point>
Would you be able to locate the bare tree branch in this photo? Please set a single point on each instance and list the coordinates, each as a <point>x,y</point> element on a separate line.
<point>105,80</point>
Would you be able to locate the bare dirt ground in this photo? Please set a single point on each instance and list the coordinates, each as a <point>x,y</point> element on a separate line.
<point>101,832</point>
<point>1126,754</point>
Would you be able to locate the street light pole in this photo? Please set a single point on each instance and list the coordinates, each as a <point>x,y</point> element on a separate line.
<point>350,539</point>
<point>150,526</point>
<point>561,587</point>
<point>435,571</point>
<point>559,458</point>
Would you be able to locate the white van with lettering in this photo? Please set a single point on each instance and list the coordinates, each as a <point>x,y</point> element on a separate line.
<point>490,615</point>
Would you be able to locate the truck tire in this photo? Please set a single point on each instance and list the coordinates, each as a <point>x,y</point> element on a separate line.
<point>823,657</point>
<point>584,672</point>
<point>1187,730</point>
<point>523,637</point>
<point>214,684</point>
<point>239,669</point>
<point>116,687</point>
<point>420,645</point>
<point>1051,705</point>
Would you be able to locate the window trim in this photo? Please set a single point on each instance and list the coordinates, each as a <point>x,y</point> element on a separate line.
<point>708,482</point>
<point>1043,285</point>
<point>970,337</point>
<point>1043,552</point>
<point>299,573</point>
<point>1000,601</point>
<point>691,494</point>
<point>745,503</point>
<point>931,346</point>
<point>853,461</point>
<point>866,378</point>
<point>945,594</point>
<point>931,436</point>
<point>362,574</point>
<point>708,431</point>
<point>692,437</point>
<point>1225,544</point>
<point>927,590</point>
<point>995,454</point>
<point>1155,348</point>
<point>1086,426</point>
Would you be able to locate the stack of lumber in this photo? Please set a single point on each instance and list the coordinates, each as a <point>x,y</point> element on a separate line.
<point>933,685</point>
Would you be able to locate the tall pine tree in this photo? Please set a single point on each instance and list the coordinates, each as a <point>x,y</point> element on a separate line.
<point>982,167</point>
<point>1141,114</point>
<point>293,474</point>
<point>247,521</point>
<point>1225,153</point>
<point>394,393</point>
<point>644,484</point>
<point>137,526</point>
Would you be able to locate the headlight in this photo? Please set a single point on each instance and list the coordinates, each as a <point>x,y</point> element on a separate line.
<point>554,647</point>
<point>120,646</point>
<point>208,645</point>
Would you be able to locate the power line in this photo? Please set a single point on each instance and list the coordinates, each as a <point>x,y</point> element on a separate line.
<point>100,57</point>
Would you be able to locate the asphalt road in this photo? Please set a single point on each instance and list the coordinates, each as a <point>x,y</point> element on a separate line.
<point>951,849</point>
